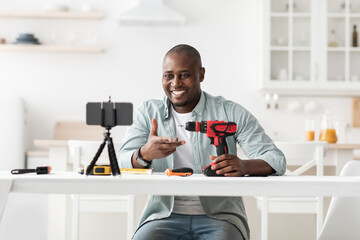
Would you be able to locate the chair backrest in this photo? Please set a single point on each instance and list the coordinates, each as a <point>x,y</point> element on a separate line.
<point>305,155</point>
<point>82,152</point>
<point>66,130</point>
<point>343,217</point>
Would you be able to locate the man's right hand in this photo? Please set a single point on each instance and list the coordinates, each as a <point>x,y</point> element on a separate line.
<point>157,146</point>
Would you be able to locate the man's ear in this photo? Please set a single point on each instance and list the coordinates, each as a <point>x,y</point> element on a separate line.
<point>202,74</point>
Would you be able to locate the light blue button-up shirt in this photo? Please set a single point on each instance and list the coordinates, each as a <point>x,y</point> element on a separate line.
<point>250,135</point>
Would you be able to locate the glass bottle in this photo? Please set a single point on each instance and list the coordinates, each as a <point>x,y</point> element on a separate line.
<point>309,129</point>
<point>333,42</point>
<point>355,37</point>
<point>328,128</point>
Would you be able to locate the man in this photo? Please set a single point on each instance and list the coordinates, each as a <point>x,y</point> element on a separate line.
<point>155,140</point>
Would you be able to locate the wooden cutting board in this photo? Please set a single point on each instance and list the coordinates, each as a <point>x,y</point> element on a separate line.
<point>356,112</point>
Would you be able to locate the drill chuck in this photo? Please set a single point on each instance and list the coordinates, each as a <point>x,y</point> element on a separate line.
<point>196,126</point>
<point>190,126</point>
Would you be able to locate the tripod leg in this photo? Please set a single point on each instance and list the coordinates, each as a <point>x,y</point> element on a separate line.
<point>97,155</point>
<point>112,157</point>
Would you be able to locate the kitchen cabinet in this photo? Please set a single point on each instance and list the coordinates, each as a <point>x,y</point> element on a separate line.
<point>307,47</point>
<point>65,15</point>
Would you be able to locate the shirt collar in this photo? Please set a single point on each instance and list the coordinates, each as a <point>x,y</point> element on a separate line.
<point>199,108</point>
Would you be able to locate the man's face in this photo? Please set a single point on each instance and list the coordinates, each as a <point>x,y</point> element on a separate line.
<point>181,79</point>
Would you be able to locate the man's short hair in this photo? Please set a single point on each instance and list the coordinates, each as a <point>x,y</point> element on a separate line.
<point>187,49</point>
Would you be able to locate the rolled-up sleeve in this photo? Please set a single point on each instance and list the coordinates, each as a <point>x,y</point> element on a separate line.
<point>255,143</point>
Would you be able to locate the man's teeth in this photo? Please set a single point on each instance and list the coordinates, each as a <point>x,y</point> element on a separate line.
<point>177,92</point>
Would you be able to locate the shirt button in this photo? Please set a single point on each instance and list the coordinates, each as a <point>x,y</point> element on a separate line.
<point>200,114</point>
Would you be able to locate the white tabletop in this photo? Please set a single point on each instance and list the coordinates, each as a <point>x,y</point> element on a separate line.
<point>197,184</point>
<point>160,184</point>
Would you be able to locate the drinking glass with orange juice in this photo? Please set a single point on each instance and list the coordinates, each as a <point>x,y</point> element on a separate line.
<point>328,128</point>
<point>309,130</point>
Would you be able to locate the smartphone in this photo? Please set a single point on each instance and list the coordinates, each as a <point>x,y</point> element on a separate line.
<point>109,114</point>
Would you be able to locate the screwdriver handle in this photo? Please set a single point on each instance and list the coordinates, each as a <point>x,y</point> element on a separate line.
<point>183,172</point>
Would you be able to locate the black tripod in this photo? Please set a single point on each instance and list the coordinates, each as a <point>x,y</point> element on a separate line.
<point>112,156</point>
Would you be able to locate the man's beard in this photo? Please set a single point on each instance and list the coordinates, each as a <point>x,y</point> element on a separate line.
<point>181,104</point>
<point>184,103</point>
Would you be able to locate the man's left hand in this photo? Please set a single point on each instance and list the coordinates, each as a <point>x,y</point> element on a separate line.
<point>229,165</point>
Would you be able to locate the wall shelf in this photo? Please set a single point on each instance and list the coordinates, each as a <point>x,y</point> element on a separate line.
<point>279,48</point>
<point>51,14</point>
<point>336,49</point>
<point>343,49</point>
<point>279,14</point>
<point>50,48</point>
<point>336,15</point>
<point>354,15</point>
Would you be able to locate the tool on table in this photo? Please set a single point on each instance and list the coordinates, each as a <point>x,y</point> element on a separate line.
<point>106,170</point>
<point>217,131</point>
<point>37,170</point>
<point>183,172</point>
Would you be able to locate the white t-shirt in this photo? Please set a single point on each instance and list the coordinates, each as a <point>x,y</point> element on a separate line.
<point>183,157</point>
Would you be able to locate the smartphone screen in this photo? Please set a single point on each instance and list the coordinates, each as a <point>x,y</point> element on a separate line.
<point>109,114</point>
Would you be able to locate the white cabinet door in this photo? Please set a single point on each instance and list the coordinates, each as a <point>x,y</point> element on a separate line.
<point>308,47</point>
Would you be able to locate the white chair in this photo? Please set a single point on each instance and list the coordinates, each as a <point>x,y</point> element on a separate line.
<point>82,152</point>
<point>343,217</point>
<point>304,155</point>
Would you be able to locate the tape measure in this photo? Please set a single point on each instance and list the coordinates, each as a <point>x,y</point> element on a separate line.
<point>106,170</point>
<point>100,170</point>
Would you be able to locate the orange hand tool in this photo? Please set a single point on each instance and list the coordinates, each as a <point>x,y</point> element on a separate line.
<point>183,172</point>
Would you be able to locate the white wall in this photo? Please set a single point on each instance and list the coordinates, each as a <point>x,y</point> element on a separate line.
<point>57,86</point>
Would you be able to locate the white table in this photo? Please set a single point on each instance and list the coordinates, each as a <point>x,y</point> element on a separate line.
<point>160,184</point>
<point>61,183</point>
<point>337,155</point>
<point>59,161</point>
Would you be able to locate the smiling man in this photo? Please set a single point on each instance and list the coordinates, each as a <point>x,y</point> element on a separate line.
<point>182,75</point>
<point>155,140</point>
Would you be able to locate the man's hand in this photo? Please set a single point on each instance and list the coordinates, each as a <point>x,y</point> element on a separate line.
<point>229,165</point>
<point>159,147</point>
<point>232,166</point>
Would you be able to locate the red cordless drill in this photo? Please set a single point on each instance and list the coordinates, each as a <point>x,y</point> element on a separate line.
<point>217,131</point>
